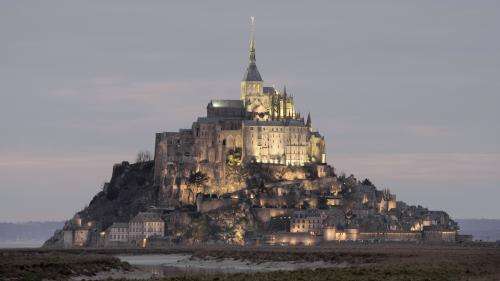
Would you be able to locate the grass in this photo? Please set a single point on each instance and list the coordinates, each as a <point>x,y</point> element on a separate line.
<point>407,272</point>
<point>365,262</point>
<point>53,265</point>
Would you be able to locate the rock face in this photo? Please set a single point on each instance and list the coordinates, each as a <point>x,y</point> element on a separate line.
<point>270,202</point>
<point>129,192</point>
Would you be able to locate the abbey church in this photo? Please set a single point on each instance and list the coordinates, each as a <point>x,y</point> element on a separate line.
<point>262,126</point>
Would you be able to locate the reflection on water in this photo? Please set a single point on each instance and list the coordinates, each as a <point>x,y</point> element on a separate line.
<point>158,271</point>
<point>182,264</point>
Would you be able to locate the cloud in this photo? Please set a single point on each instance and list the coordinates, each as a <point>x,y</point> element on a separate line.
<point>20,160</point>
<point>114,105</point>
<point>108,90</point>
<point>41,186</point>
<point>428,131</point>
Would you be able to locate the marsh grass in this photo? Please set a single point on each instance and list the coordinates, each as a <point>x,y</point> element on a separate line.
<point>53,265</point>
<point>362,263</point>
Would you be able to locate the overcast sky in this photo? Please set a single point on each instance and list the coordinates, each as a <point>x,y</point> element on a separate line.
<point>406,92</point>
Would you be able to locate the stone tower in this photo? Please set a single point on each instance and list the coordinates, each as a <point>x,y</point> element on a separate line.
<point>252,90</point>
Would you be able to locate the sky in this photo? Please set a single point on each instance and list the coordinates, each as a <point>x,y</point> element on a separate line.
<point>405,92</point>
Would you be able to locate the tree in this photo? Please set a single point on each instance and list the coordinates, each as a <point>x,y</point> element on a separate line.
<point>143,156</point>
<point>197,178</point>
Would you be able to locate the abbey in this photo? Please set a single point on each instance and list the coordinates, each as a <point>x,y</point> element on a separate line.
<point>262,126</point>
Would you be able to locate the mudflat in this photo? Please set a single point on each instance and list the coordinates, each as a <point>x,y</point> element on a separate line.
<point>359,262</point>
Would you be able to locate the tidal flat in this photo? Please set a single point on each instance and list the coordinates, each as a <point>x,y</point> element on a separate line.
<point>339,262</point>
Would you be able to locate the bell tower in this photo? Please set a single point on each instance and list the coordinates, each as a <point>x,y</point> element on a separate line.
<point>252,92</point>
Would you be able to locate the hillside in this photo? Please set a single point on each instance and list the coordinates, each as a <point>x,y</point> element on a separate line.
<point>129,191</point>
<point>265,206</point>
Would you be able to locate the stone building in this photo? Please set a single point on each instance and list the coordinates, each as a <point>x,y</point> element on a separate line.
<point>292,238</point>
<point>307,221</point>
<point>386,201</point>
<point>331,233</point>
<point>262,126</point>
<point>144,226</point>
<point>436,234</point>
<point>75,233</point>
<point>117,233</point>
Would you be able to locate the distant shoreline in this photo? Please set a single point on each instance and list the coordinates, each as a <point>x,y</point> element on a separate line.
<point>480,229</point>
<point>20,244</point>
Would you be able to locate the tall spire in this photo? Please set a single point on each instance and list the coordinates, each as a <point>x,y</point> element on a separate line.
<point>308,122</point>
<point>252,40</point>
<point>285,100</point>
<point>252,74</point>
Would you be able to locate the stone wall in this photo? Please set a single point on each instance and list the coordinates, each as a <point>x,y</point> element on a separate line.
<point>209,205</point>
<point>278,142</point>
<point>288,238</point>
<point>436,236</point>
<point>264,215</point>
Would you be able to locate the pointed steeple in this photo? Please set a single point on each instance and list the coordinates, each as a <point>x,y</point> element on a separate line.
<point>252,74</point>
<point>285,101</point>
<point>308,122</point>
<point>251,55</point>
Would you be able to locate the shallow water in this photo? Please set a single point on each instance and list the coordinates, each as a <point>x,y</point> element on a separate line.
<point>154,266</point>
<point>183,264</point>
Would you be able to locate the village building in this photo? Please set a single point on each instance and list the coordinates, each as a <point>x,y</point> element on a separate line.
<point>118,233</point>
<point>145,225</point>
<point>307,221</point>
<point>76,234</point>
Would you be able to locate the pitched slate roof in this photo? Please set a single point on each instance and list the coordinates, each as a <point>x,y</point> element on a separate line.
<point>119,225</point>
<point>252,73</point>
<point>147,217</point>
<point>269,90</point>
<point>227,103</point>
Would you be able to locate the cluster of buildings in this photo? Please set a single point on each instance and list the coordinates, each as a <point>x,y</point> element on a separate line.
<point>312,227</point>
<point>323,210</point>
<point>137,232</point>
<point>75,233</point>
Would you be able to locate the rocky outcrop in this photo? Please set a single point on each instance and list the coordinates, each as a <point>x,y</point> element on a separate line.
<point>129,192</point>
<point>265,205</point>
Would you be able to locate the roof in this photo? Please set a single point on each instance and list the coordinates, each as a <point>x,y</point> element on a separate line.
<point>252,73</point>
<point>269,90</point>
<point>209,120</point>
<point>286,122</point>
<point>226,103</point>
<point>317,134</point>
<point>308,213</point>
<point>147,217</point>
<point>119,225</point>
